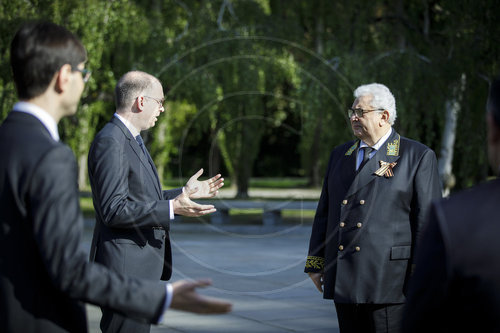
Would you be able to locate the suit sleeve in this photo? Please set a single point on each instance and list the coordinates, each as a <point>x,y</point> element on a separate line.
<point>171,194</point>
<point>57,228</point>
<point>108,172</point>
<point>316,255</point>
<point>429,283</point>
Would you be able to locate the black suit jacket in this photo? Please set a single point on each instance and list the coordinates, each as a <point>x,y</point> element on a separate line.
<point>366,225</point>
<point>132,212</point>
<point>456,283</point>
<point>43,272</point>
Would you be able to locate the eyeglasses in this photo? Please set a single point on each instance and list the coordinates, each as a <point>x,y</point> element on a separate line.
<point>85,74</point>
<point>159,101</point>
<point>359,113</point>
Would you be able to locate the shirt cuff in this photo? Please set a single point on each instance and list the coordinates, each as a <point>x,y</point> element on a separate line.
<point>171,209</point>
<point>169,290</point>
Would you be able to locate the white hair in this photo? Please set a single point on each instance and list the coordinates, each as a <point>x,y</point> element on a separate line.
<point>382,98</point>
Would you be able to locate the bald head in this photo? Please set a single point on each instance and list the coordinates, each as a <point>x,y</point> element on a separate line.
<point>131,85</point>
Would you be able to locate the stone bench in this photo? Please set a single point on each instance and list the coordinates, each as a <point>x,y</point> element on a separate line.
<point>272,210</point>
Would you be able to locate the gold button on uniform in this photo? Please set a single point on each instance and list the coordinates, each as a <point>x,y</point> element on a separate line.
<point>357,248</point>
<point>361,202</point>
<point>341,247</point>
<point>359,224</point>
<point>344,202</point>
<point>342,224</point>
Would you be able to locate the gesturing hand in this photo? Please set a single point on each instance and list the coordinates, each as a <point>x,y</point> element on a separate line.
<point>207,188</point>
<point>185,298</point>
<point>183,205</point>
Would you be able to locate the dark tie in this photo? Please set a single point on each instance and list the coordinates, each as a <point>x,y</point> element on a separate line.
<point>366,156</point>
<point>141,144</point>
<point>148,157</point>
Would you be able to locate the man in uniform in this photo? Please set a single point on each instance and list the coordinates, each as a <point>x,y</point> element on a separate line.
<point>373,203</point>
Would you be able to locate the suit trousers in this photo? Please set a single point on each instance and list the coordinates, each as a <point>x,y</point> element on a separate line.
<point>369,318</point>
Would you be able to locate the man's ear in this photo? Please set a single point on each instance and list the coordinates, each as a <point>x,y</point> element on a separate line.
<point>62,78</point>
<point>385,118</point>
<point>140,103</point>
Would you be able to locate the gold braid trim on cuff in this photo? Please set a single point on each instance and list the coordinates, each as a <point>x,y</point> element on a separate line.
<point>315,262</point>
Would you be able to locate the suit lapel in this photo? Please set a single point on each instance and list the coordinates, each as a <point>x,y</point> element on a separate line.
<point>388,152</point>
<point>348,167</point>
<point>145,160</point>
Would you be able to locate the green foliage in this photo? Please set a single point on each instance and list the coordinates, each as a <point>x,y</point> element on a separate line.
<point>260,87</point>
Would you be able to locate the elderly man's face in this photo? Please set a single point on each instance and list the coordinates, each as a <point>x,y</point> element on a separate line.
<point>367,126</point>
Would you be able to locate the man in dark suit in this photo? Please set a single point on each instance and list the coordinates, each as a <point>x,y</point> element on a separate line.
<point>456,283</point>
<point>372,206</point>
<point>133,213</point>
<point>44,275</point>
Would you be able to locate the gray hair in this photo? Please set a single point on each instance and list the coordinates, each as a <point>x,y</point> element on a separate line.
<point>382,98</point>
<point>131,85</point>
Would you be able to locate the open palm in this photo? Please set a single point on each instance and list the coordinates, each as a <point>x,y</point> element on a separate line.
<point>206,188</point>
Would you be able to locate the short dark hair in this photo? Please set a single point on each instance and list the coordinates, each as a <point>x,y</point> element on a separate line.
<point>38,51</point>
<point>494,99</point>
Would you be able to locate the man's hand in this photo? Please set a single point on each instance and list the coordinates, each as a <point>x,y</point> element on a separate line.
<point>317,278</point>
<point>183,205</point>
<point>185,298</point>
<point>207,188</point>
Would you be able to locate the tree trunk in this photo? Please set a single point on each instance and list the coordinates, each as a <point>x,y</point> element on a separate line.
<point>448,140</point>
<point>82,171</point>
<point>242,184</point>
<point>314,172</point>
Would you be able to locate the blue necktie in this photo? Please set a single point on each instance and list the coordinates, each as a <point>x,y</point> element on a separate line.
<point>141,144</point>
<point>366,156</point>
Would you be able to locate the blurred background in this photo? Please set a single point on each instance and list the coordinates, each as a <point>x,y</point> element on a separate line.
<point>258,89</point>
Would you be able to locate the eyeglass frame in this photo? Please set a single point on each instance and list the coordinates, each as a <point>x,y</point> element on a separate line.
<point>85,74</point>
<point>160,102</point>
<point>354,112</point>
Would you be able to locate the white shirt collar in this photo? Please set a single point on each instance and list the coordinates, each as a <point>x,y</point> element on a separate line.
<point>128,124</point>
<point>379,142</point>
<point>42,115</point>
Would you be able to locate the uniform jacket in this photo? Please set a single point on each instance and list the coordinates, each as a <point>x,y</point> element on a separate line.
<point>456,283</point>
<point>44,274</point>
<point>132,211</point>
<point>366,224</point>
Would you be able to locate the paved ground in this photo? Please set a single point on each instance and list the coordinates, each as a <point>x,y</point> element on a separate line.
<point>259,269</point>
<point>289,193</point>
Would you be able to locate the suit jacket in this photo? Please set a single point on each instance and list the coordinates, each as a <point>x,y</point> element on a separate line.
<point>132,212</point>
<point>44,274</point>
<point>456,283</point>
<point>366,225</point>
